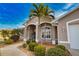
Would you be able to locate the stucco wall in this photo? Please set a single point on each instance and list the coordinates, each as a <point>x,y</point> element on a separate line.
<point>34,20</point>
<point>42,20</point>
<point>62,29</point>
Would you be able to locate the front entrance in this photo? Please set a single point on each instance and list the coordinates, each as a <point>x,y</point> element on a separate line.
<point>31,32</point>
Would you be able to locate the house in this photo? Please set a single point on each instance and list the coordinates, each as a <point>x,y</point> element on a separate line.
<point>43,32</point>
<point>65,29</point>
<point>68,28</point>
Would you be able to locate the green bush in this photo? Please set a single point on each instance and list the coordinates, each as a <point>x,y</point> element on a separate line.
<point>28,41</point>
<point>55,52</point>
<point>33,40</point>
<point>39,50</point>
<point>24,45</point>
<point>15,38</point>
<point>8,41</point>
<point>32,45</point>
<point>61,46</point>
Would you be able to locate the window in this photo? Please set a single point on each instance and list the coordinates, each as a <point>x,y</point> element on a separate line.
<point>46,32</point>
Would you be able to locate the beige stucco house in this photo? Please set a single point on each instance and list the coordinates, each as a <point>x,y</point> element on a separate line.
<point>44,32</point>
<point>65,29</point>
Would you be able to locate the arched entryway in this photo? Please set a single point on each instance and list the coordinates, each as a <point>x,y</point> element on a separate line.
<point>31,32</point>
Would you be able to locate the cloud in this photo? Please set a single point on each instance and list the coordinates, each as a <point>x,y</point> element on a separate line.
<point>59,13</point>
<point>68,5</point>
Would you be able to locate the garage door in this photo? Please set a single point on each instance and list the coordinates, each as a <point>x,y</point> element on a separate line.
<point>74,36</point>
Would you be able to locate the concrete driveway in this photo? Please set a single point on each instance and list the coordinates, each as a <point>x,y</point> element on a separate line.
<point>12,50</point>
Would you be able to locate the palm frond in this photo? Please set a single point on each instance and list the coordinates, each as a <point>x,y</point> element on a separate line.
<point>41,5</point>
<point>36,6</point>
<point>34,11</point>
<point>50,11</point>
<point>31,15</point>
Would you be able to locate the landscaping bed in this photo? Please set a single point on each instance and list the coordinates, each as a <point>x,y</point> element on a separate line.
<point>34,49</point>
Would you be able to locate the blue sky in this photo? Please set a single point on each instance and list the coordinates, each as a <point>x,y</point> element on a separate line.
<point>13,15</point>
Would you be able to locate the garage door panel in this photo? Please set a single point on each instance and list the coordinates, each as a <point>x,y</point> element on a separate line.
<point>74,36</point>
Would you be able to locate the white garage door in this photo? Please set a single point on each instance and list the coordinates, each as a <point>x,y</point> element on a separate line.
<point>74,36</point>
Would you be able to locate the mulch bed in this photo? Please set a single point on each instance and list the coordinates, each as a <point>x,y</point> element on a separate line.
<point>30,53</point>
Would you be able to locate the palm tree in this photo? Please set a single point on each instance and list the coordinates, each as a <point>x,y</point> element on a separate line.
<point>42,11</point>
<point>37,12</point>
<point>47,12</point>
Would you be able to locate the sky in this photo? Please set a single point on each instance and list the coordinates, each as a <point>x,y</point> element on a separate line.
<point>14,15</point>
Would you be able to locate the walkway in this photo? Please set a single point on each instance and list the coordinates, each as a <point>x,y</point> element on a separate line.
<point>12,50</point>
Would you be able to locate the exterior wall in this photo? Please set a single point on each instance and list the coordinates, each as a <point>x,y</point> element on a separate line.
<point>45,20</point>
<point>62,28</point>
<point>52,32</point>
<point>34,21</point>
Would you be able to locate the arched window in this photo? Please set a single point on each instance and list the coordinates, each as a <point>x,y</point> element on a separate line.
<point>46,32</point>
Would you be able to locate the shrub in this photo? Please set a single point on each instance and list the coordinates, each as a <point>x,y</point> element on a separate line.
<point>24,45</point>
<point>33,40</point>
<point>14,38</point>
<point>8,41</point>
<point>28,41</point>
<point>32,45</point>
<point>55,52</point>
<point>39,50</point>
<point>61,46</point>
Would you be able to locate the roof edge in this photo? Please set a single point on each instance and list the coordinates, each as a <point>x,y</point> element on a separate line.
<point>66,14</point>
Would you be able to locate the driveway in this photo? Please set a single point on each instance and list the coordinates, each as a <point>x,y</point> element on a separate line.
<point>74,52</point>
<point>11,50</point>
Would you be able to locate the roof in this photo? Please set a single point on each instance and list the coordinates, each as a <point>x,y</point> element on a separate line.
<point>66,14</point>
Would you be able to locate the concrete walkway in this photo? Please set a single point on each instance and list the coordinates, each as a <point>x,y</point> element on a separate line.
<point>12,50</point>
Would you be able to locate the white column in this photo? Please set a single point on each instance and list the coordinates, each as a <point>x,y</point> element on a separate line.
<point>25,34</point>
<point>28,32</point>
<point>37,28</point>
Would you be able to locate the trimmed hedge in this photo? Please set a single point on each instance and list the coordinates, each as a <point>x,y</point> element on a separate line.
<point>39,50</point>
<point>24,45</point>
<point>32,45</point>
<point>55,52</point>
<point>30,40</point>
<point>8,41</point>
<point>61,46</point>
